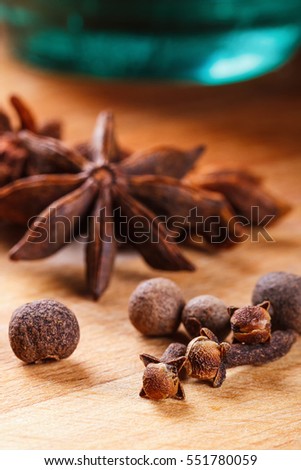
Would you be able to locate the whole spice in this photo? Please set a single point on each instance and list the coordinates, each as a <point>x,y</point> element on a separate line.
<point>41,330</point>
<point>98,188</point>
<point>205,358</point>
<point>12,158</point>
<point>243,190</point>
<point>206,311</point>
<point>283,291</point>
<point>251,324</point>
<point>115,190</point>
<point>15,159</point>
<point>155,307</point>
<point>161,376</point>
<point>188,209</point>
<point>258,354</point>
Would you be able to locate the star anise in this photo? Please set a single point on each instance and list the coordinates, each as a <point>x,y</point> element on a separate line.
<point>15,160</point>
<point>115,191</point>
<point>245,193</point>
<point>97,188</point>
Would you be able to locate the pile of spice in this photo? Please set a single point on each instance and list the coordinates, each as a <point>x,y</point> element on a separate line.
<point>48,330</point>
<point>106,189</point>
<point>221,337</point>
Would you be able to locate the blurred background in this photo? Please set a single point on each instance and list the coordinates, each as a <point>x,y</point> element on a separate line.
<point>206,41</point>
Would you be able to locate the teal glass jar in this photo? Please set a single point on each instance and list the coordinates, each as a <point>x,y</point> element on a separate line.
<point>208,41</point>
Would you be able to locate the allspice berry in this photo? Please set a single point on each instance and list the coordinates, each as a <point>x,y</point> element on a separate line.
<point>206,311</point>
<point>283,291</point>
<point>41,330</point>
<point>155,307</point>
<point>251,324</point>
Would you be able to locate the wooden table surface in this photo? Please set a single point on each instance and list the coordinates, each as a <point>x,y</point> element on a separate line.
<point>90,401</point>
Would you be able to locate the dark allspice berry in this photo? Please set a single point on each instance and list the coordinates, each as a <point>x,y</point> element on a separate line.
<point>210,312</point>
<point>251,324</point>
<point>205,358</point>
<point>44,329</point>
<point>155,307</point>
<point>161,376</point>
<point>283,290</point>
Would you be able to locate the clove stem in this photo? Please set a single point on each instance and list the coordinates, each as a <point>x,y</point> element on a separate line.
<point>258,354</point>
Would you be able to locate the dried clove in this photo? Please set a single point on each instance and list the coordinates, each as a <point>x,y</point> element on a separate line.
<point>251,324</point>
<point>41,330</point>
<point>283,290</point>
<point>161,376</point>
<point>155,307</point>
<point>205,358</point>
<point>206,311</point>
<point>258,354</point>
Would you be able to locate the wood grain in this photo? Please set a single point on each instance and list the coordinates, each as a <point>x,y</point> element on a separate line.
<point>90,401</point>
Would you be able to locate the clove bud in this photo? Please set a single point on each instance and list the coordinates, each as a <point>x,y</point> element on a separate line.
<point>205,358</point>
<point>251,324</point>
<point>161,376</point>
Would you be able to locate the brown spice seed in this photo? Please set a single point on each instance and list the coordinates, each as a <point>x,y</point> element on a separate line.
<point>161,376</point>
<point>205,358</point>
<point>283,290</point>
<point>155,307</point>
<point>41,330</point>
<point>206,311</point>
<point>251,324</point>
